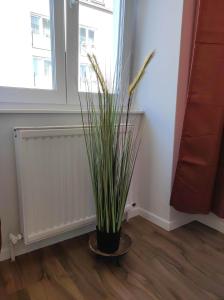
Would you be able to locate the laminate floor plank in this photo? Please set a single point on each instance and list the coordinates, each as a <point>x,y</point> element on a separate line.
<point>185,264</point>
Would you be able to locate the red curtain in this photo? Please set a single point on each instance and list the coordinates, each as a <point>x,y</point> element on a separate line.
<point>199,181</point>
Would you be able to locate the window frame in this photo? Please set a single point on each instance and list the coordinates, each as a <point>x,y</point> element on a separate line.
<point>66,49</point>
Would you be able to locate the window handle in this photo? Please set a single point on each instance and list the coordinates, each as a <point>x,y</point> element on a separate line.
<point>73,3</point>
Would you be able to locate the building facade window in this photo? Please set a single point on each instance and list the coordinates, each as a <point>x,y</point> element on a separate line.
<point>42,72</point>
<point>35,24</point>
<point>87,78</point>
<point>41,52</point>
<point>86,41</point>
<point>47,67</point>
<point>46,27</point>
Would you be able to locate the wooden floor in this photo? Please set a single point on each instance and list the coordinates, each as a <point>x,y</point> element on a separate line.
<point>187,263</point>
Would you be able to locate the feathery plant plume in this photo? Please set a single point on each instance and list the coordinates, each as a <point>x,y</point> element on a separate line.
<point>112,145</point>
<point>140,74</point>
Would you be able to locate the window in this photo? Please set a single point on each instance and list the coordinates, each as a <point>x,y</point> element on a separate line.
<point>42,39</point>
<point>47,68</point>
<point>44,46</point>
<point>87,78</point>
<point>41,52</point>
<point>82,42</point>
<point>36,68</point>
<point>97,36</point>
<point>86,41</point>
<point>35,24</point>
<point>46,28</point>
<point>91,37</point>
<point>42,72</point>
<point>23,39</point>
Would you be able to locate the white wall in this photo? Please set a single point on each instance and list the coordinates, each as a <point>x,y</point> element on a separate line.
<point>159,27</point>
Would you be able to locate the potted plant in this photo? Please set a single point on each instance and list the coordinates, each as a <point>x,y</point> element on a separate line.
<point>112,146</point>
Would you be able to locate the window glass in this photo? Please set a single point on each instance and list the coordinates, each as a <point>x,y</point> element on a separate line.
<point>35,24</point>
<point>41,72</point>
<point>46,28</point>
<point>25,43</point>
<point>97,31</point>
<point>91,36</point>
<point>47,68</point>
<point>87,77</point>
<point>82,41</point>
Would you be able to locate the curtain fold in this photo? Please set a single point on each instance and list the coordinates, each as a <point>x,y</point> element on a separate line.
<point>199,181</point>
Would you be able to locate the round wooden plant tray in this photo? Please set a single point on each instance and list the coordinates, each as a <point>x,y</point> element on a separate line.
<point>125,244</point>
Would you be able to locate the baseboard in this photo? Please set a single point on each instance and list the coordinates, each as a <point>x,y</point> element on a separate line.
<point>163,223</point>
<point>212,221</point>
<point>183,220</point>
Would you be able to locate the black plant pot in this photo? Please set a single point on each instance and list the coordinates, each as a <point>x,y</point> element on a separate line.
<point>108,242</point>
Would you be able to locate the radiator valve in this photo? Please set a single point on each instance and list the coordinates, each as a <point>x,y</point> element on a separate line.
<point>14,239</point>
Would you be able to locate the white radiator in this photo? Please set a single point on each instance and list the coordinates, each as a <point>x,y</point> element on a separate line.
<point>53,181</point>
<point>55,193</point>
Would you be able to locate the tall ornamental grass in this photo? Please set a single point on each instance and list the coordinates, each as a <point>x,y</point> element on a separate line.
<point>112,145</point>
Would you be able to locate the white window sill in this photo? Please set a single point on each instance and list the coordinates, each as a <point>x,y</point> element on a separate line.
<point>46,109</point>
